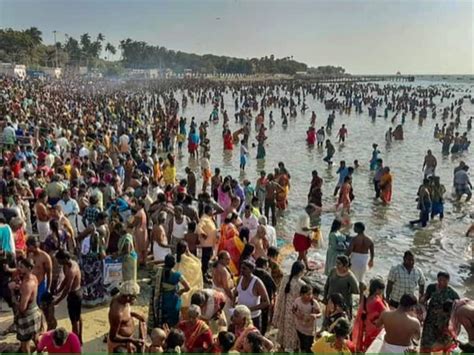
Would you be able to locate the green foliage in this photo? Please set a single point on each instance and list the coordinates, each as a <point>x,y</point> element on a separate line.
<point>137,54</point>
<point>327,70</point>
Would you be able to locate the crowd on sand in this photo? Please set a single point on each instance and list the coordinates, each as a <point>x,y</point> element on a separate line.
<point>91,198</point>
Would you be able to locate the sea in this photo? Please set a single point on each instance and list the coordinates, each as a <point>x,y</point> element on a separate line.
<point>441,246</point>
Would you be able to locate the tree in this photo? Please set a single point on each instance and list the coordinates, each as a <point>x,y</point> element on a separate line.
<point>109,48</point>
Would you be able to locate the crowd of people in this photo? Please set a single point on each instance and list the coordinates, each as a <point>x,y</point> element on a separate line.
<point>91,199</point>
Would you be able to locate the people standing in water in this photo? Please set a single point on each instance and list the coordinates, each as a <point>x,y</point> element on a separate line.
<point>429,164</point>
<point>375,157</point>
<point>424,204</point>
<point>330,150</point>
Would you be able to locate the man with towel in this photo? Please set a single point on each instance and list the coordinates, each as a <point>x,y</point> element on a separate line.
<point>361,252</point>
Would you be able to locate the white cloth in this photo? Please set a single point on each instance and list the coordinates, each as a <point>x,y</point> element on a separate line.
<point>359,265</point>
<point>43,230</point>
<point>303,223</point>
<point>251,223</point>
<point>159,252</point>
<point>271,236</point>
<point>393,349</point>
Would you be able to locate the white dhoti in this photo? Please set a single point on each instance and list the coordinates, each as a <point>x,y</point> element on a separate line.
<point>43,230</point>
<point>359,265</point>
<point>392,349</point>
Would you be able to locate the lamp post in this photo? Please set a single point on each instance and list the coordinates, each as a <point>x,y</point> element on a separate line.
<point>55,50</point>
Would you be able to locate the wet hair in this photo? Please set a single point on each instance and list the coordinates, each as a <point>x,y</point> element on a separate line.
<point>336,225</point>
<point>443,274</point>
<point>256,342</point>
<point>305,289</point>
<point>60,336</point>
<point>407,301</point>
<point>272,252</point>
<point>226,341</point>
<point>261,262</point>
<point>296,268</point>
<point>342,328</point>
<point>376,284</point>
<point>359,227</point>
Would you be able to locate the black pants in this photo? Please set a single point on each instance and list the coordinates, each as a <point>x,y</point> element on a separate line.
<point>74,305</point>
<point>377,188</point>
<point>306,341</point>
<point>265,314</point>
<point>205,258</point>
<point>270,206</point>
<point>257,322</point>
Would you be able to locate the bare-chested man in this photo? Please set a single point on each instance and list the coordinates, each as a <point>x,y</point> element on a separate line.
<point>122,326</point>
<point>43,270</point>
<point>42,216</point>
<point>159,239</point>
<point>361,252</point>
<point>222,280</point>
<point>429,165</point>
<point>401,327</point>
<point>71,288</point>
<point>463,316</point>
<point>28,315</point>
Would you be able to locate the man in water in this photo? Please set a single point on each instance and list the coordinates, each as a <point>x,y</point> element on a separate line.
<point>71,287</point>
<point>403,279</point>
<point>330,150</point>
<point>122,326</point>
<point>424,204</point>
<point>361,252</point>
<point>378,175</point>
<point>43,270</point>
<point>429,165</point>
<point>462,183</point>
<point>401,328</point>
<point>343,171</point>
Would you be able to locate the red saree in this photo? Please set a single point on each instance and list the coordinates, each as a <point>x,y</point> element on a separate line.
<point>365,331</point>
<point>198,336</point>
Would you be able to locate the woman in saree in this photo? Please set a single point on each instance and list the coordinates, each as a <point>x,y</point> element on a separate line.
<point>386,186</point>
<point>165,302</point>
<point>283,179</point>
<point>439,298</point>
<point>128,255</point>
<point>261,137</point>
<point>233,242</point>
<point>228,140</point>
<point>197,333</point>
<point>335,342</point>
<point>169,171</point>
<point>190,267</point>
<point>224,196</point>
<point>370,308</point>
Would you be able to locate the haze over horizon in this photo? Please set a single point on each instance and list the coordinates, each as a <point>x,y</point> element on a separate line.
<point>364,37</point>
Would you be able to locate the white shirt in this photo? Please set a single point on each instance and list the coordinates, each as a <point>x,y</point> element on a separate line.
<point>303,223</point>
<point>251,223</point>
<point>83,152</point>
<point>271,235</point>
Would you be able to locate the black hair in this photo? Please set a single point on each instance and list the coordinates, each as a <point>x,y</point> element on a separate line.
<point>28,263</point>
<point>408,253</point>
<point>62,254</point>
<point>60,336</point>
<point>344,260</point>
<point>256,342</point>
<point>180,249</point>
<point>336,225</point>
<point>342,328</point>
<point>296,268</point>
<point>359,227</point>
<point>305,289</point>
<point>376,284</point>
<point>32,241</point>
<point>191,227</point>
<point>198,298</point>
<point>407,301</point>
<point>170,262</point>
<point>448,306</point>
<point>338,300</point>
<point>175,338</point>
<point>443,274</point>
<point>272,252</point>
<point>226,341</point>
<point>261,262</point>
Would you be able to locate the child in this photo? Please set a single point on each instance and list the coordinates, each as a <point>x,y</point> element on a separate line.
<point>305,311</point>
<point>158,337</point>
<point>192,238</point>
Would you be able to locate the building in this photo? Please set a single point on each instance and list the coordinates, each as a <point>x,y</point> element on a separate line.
<point>15,70</point>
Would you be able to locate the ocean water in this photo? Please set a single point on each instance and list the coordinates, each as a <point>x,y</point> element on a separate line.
<point>439,246</point>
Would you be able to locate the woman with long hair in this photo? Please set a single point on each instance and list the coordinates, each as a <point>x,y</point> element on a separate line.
<point>283,317</point>
<point>370,308</point>
<point>336,245</point>
<point>165,303</point>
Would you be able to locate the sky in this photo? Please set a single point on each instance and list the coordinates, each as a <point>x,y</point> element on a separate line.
<point>363,36</point>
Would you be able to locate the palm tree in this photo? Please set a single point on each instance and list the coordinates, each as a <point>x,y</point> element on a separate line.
<point>100,37</point>
<point>35,35</point>
<point>109,48</point>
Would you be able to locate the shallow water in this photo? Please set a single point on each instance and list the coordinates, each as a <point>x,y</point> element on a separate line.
<point>440,246</point>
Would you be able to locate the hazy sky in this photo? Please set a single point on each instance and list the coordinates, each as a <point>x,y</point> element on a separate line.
<point>363,36</point>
